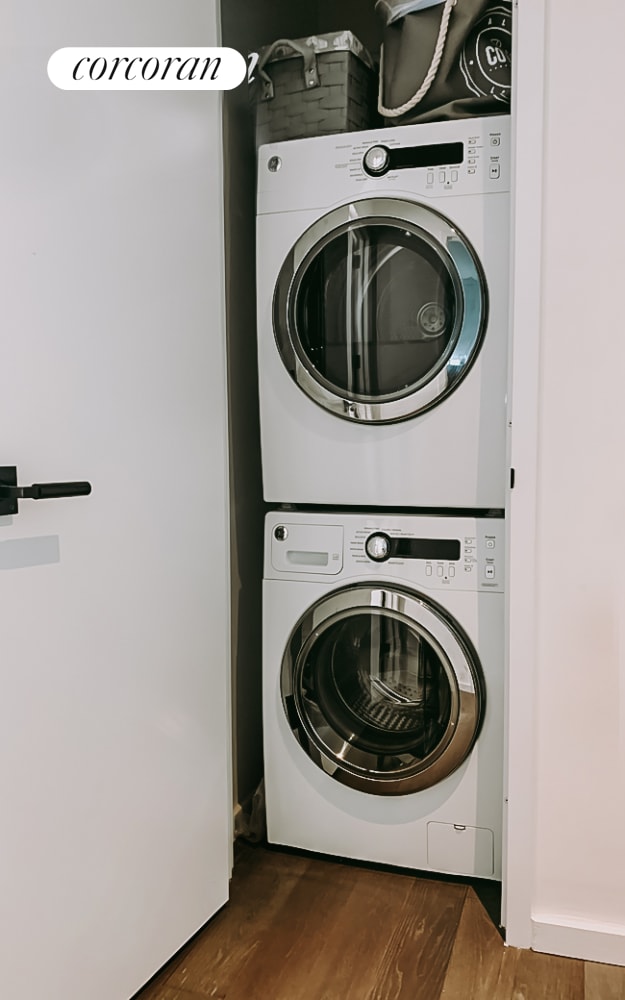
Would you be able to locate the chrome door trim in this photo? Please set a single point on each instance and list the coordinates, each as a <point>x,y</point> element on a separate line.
<point>354,766</point>
<point>464,268</point>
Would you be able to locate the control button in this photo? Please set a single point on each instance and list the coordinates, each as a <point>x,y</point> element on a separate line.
<point>430,176</point>
<point>439,570</point>
<point>468,569</point>
<point>472,161</point>
<point>441,176</point>
<point>378,547</point>
<point>469,539</point>
<point>469,550</point>
<point>490,573</point>
<point>454,175</point>
<point>495,140</point>
<point>280,533</point>
<point>471,170</point>
<point>493,171</point>
<point>428,569</point>
<point>376,160</point>
<point>452,570</point>
<point>490,543</point>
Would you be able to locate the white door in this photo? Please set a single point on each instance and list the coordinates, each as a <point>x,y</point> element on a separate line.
<point>114,732</point>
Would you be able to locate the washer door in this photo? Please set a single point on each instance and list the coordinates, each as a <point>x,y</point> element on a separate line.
<point>382,689</point>
<point>379,310</point>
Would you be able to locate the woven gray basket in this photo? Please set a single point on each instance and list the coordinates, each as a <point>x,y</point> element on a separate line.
<point>314,86</point>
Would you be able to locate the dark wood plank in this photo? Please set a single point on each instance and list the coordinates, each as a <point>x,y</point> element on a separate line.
<point>475,962</point>
<point>286,959</point>
<point>259,893</point>
<point>333,938</point>
<point>244,861</point>
<point>297,928</point>
<point>604,982</point>
<point>420,944</point>
<point>507,977</point>
<point>305,928</point>
<point>529,975</point>
<point>166,993</point>
<point>157,986</point>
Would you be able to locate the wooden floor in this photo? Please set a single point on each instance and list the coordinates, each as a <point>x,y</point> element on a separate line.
<point>301,928</point>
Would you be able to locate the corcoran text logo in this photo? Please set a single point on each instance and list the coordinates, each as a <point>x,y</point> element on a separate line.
<point>147,68</point>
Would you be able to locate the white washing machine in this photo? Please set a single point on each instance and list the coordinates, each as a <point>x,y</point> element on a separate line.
<point>383,660</point>
<point>383,316</point>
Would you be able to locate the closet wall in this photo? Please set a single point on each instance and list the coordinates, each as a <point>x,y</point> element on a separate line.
<point>246,26</point>
<point>567,804</point>
<point>577,593</point>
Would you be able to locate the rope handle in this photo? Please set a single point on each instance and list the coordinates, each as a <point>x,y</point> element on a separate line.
<point>430,75</point>
<point>311,75</point>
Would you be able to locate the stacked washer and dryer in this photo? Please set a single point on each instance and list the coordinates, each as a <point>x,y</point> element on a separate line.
<point>382,330</point>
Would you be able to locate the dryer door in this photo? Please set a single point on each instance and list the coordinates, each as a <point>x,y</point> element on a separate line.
<point>379,310</point>
<point>382,689</point>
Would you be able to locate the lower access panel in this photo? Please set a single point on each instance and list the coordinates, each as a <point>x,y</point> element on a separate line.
<point>463,850</point>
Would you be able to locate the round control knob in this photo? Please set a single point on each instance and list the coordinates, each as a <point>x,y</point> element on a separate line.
<point>280,533</point>
<point>376,160</point>
<point>378,547</point>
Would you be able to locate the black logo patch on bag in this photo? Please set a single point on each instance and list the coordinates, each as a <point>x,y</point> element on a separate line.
<point>451,59</point>
<point>486,59</point>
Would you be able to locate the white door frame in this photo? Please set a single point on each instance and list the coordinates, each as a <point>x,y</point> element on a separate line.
<point>528,143</point>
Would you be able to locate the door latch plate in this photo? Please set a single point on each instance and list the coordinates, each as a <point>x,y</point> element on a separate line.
<point>8,476</point>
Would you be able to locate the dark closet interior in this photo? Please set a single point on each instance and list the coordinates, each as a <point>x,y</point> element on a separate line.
<point>247,25</point>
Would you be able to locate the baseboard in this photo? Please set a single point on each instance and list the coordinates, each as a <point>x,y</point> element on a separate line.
<point>592,941</point>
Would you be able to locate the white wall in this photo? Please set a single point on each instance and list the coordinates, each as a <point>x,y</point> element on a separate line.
<point>578,887</point>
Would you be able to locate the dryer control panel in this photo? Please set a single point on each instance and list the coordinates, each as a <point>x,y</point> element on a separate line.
<point>434,160</point>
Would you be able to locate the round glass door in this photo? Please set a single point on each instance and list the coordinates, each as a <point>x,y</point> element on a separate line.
<point>382,690</point>
<point>379,310</point>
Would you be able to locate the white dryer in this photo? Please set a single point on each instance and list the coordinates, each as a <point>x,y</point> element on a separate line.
<point>382,286</point>
<point>383,660</point>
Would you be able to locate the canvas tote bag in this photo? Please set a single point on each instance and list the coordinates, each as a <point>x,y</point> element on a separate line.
<point>444,59</point>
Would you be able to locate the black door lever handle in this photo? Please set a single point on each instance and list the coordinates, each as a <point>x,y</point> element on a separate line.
<point>43,491</point>
<point>10,492</point>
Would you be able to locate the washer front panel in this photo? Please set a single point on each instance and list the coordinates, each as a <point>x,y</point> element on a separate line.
<point>382,689</point>
<point>379,310</point>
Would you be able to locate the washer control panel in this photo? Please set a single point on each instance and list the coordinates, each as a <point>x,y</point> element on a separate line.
<point>467,561</point>
<point>433,552</point>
